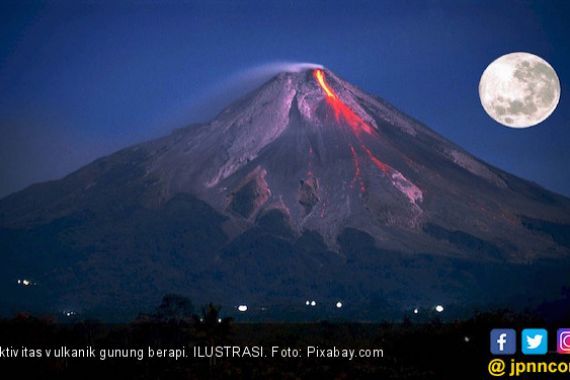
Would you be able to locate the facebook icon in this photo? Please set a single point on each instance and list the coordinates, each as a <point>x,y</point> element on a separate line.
<point>503,341</point>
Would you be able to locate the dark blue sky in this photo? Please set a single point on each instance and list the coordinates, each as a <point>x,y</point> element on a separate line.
<point>82,79</point>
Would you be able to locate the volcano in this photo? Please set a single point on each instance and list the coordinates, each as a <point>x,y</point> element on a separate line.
<point>307,188</point>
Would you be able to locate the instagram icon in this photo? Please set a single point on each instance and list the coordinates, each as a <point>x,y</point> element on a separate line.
<point>563,343</point>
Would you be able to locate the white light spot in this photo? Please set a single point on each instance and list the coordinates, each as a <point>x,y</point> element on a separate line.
<point>466,339</point>
<point>439,308</point>
<point>219,320</point>
<point>313,303</point>
<point>416,310</point>
<point>307,302</point>
<point>242,308</point>
<point>338,305</point>
<point>19,281</point>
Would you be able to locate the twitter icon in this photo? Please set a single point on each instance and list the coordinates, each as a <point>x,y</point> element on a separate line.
<point>534,341</point>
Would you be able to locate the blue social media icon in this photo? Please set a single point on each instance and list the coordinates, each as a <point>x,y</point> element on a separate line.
<point>503,341</point>
<point>534,341</point>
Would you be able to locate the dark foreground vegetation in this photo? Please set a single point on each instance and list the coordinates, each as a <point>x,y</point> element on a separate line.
<point>427,350</point>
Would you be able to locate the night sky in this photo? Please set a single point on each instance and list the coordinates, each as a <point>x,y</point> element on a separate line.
<point>82,79</point>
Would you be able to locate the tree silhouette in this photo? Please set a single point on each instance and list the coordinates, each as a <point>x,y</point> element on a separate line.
<point>174,307</point>
<point>212,330</point>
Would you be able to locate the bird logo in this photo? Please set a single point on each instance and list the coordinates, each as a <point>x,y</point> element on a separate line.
<point>533,342</point>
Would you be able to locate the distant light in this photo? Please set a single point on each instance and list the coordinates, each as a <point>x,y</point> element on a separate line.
<point>466,339</point>
<point>338,305</point>
<point>242,308</point>
<point>307,302</point>
<point>219,320</point>
<point>439,308</point>
<point>313,303</point>
<point>25,282</point>
<point>416,311</point>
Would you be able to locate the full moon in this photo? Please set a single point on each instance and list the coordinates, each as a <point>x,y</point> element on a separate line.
<point>519,90</point>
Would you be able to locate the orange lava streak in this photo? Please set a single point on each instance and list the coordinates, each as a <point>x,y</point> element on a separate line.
<point>357,172</point>
<point>320,77</point>
<point>379,164</point>
<point>354,121</point>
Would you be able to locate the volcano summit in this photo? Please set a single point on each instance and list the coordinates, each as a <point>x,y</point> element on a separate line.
<point>306,188</point>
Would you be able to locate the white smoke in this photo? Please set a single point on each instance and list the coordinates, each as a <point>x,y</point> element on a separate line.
<point>273,68</point>
<point>221,94</point>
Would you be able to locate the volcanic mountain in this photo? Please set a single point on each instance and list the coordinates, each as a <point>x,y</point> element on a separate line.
<point>307,188</point>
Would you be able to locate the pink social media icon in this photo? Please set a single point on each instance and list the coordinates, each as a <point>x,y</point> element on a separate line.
<point>563,341</point>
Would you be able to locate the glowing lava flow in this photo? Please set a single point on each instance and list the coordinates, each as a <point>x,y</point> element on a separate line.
<point>357,172</point>
<point>379,164</point>
<point>354,121</point>
<point>320,77</point>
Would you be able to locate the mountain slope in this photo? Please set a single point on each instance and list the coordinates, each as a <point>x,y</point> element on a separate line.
<point>268,200</point>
